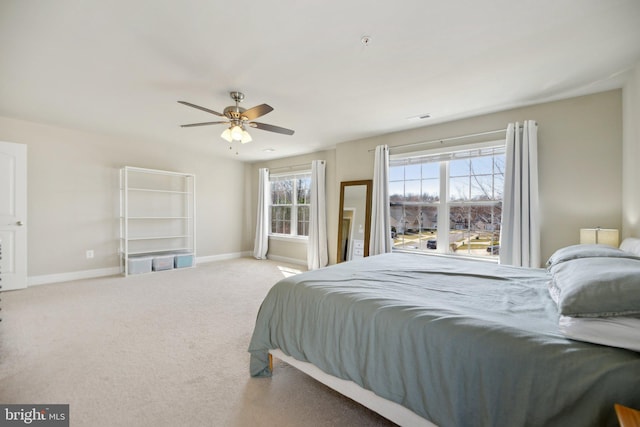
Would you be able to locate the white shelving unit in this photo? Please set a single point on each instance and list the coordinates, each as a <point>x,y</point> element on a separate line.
<point>157,213</point>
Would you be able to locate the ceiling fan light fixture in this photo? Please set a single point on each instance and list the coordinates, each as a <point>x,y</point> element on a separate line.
<point>236,133</point>
<point>226,135</point>
<point>245,137</point>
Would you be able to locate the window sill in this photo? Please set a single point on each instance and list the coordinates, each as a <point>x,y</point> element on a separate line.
<point>285,238</point>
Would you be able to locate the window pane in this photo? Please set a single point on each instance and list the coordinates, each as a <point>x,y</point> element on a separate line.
<point>412,218</point>
<point>396,173</point>
<point>429,218</point>
<point>412,190</point>
<point>431,190</point>
<point>482,187</point>
<point>499,186</point>
<point>281,192</point>
<point>412,171</point>
<point>396,212</point>
<point>412,227</point>
<point>396,191</point>
<point>459,167</point>
<point>274,220</point>
<point>303,220</point>
<point>482,165</point>
<point>475,230</point>
<point>499,165</point>
<point>459,188</point>
<point>280,219</point>
<point>304,190</point>
<point>431,170</point>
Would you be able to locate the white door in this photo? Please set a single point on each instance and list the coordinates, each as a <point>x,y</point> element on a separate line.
<point>13,216</point>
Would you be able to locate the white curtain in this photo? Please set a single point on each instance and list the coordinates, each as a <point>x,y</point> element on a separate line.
<point>520,233</point>
<point>261,244</point>
<point>317,255</point>
<point>380,239</point>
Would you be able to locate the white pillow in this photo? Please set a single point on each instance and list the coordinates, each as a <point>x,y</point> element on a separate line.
<point>632,245</point>
<point>622,332</point>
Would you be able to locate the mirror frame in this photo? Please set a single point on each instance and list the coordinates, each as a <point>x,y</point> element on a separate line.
<point>367,225</point>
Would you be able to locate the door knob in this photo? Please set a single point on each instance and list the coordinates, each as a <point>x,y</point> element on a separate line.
<point>19,223</point>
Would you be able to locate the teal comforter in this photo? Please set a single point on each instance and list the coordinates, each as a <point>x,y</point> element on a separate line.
<point>459,342</point>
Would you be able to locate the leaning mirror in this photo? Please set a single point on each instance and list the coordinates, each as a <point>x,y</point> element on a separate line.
<point>355,219</point>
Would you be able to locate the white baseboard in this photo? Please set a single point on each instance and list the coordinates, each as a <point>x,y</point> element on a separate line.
<point>75,275</point>
<point>212,258</point>
<point>287,260</point>
<point>112,271</point>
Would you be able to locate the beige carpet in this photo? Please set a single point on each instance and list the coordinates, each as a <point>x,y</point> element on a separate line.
<point>161,349</point>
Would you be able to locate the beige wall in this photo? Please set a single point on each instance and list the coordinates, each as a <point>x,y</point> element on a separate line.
<point>580,162</point>
<point>73,197</point>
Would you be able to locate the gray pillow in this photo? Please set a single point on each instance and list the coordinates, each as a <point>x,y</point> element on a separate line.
<point>597,286</point>
<point>586,251</point>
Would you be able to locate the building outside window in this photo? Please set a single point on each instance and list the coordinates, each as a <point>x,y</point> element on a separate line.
<point>290,196</point>
<point>459,192</point>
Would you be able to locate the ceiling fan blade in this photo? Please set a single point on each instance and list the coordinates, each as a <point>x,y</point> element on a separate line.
<point>201,108</point>
<point>271,128</point>
<point>201,124</point>
<point>257,111</point>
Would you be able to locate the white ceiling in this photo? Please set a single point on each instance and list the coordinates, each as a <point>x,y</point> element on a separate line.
<point>118,67</point>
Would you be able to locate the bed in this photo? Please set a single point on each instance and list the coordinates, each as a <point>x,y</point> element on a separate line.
<point>444,341</point>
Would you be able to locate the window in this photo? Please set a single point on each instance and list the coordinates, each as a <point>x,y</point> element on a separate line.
<point>459,192</point>
<point>290,195</point>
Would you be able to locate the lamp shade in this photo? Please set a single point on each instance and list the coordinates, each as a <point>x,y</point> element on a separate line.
<point>245,137</point>
<point>226,135</point>
<point>236,133</point>
<point>603,236</point>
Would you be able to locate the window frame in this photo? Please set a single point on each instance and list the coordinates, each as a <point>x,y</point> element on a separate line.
<point>294,205</point>
<point>443,205</point>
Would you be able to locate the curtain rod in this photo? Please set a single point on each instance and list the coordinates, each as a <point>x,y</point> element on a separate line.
<point>441,140</point>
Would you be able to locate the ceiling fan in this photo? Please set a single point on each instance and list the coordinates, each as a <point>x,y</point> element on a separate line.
<point>237,118</point>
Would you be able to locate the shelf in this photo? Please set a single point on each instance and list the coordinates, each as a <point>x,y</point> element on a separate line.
<point>158,217</point>
<point>157,213</point>
<point>158,237</point>
<point>149,190</point>
<point>160,251</point>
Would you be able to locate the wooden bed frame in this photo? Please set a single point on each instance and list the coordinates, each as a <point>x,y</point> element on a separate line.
<point>388,409</point>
